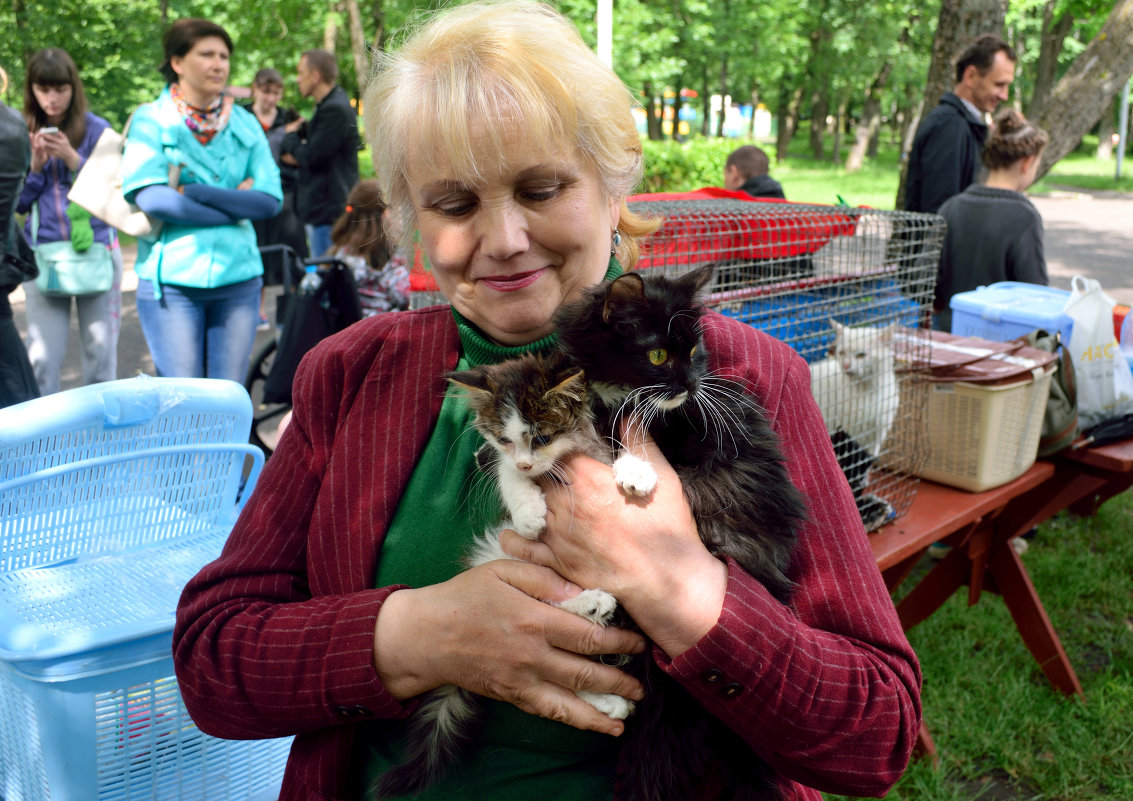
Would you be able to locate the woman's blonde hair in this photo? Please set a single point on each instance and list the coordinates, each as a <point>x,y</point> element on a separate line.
<point>487,65</point>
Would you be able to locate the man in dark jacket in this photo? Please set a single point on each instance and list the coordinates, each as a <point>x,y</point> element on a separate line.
<point>325,148</point>
<point>746,171</point>
<point>945,158</point>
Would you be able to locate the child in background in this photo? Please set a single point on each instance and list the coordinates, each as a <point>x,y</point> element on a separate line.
<point>358,239</point>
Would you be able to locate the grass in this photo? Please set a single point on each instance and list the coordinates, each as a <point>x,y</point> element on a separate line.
<point>1001,730</point>
<point>809,180</point>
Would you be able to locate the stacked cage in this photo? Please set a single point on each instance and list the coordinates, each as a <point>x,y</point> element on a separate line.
<point>800,273</point>
<point>111,497</point>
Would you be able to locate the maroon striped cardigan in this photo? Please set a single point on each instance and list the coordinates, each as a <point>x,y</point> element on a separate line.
<point>275,637</point>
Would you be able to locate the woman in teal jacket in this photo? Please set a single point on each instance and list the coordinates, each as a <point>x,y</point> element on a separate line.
<point>202,165</point>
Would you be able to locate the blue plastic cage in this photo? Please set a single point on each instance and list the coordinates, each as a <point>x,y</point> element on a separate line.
<point>111,497</point>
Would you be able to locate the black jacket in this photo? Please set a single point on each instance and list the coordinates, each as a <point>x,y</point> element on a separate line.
<point>993,235</point>
<point>763,186</point>
<point>327,151</point>
<point>945,159</point>
<point>17,381</point>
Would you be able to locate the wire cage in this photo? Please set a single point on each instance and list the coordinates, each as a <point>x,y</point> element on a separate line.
<point>799,273</point>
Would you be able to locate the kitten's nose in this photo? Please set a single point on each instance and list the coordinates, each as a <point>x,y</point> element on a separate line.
<point>523,465</point>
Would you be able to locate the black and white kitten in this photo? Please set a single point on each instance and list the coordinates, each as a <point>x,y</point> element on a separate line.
<point>532,412</point>
<point>639,340</point>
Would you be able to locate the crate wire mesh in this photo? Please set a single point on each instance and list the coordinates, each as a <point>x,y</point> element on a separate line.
<point>111,497</point>
<point>790,269</point>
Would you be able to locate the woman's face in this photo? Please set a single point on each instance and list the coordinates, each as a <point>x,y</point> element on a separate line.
<point>202,73</point>
<point>54,100</point>
<point>509,250</point>
<point>267,96</point>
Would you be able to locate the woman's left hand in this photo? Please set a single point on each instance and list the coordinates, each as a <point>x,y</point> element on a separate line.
<point>58,146</point>
<point>645,551</point>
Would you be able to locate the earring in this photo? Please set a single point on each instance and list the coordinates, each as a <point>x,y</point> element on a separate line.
<point>615,241</point>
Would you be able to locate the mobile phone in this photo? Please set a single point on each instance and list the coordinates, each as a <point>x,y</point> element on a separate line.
<point>50,129</point>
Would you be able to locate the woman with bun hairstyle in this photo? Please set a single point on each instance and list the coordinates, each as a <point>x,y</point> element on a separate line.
<point>994,232</point>
<point>63,134</point>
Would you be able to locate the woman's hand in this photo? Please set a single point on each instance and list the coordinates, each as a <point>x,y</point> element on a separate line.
<point>57,145</point>
<point>645,551</point>
<point>490,631</point>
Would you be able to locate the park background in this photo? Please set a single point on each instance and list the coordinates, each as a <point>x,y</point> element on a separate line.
<point>833,89</point>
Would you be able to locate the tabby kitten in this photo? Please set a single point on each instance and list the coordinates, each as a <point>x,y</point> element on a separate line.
<point>639,340</point>
<point>856,389</point>
<point>532,412</point>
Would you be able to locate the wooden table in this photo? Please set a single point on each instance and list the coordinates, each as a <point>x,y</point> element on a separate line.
<point>979,527</point>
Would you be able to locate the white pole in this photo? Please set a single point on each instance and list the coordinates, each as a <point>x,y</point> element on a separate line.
<point>605,21</point>
<point>1124,128</point>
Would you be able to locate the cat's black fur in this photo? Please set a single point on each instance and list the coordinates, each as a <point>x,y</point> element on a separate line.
<point>738,489</point>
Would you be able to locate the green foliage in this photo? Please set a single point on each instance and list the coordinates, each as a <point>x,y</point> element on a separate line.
<point>1001,730</point>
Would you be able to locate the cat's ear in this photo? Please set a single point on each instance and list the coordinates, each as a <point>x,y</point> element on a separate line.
<point>699,277</point>
<point>625,289</point>
<point>474,382</point>
<point>573,386</point>
<point>837,326</point>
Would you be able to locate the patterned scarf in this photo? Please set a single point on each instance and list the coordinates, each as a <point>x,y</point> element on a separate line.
<point>204,123</point>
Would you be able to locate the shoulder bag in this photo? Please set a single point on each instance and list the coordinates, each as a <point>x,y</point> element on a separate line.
<point>98,187</point>
<point>66,271</point>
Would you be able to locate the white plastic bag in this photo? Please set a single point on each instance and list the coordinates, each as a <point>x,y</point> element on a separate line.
<point>1105,382</point>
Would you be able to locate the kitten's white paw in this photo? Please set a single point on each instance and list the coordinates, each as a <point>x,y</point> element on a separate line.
<point>597,606</point>
<point>530,517</point>
<point>634,476</point>
<point>614,706</point>
<point>529,526</point>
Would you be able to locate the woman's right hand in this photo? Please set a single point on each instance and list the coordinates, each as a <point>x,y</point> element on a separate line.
<point>488,630</point>
<point>39,154</point>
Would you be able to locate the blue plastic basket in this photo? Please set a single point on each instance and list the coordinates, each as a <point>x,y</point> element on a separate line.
<point>122,735</point>
<point>802,318</point>
<point>111,498</point>
<point>121,416</point>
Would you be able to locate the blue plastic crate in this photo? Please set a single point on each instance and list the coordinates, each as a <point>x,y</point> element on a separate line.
<point>120,416</point>
<point>121,734</point>
<point>802,318</point>
<point>1009,309</point>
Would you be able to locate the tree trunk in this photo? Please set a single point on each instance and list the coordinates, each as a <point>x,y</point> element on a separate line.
<point>1053,35</point>
<point>378,18</point>
<point>705,105</point>
<point>723,98</point>
<point>819,111</point>
<point>839,126</point>
<point>959,23</point>
<point>1089,86</point>
<point>652,121</point>
<point>788,114</point>
<point>358,47</point>
<point>330,29</point>
<point>1106,130</point>
<point>870,122</point>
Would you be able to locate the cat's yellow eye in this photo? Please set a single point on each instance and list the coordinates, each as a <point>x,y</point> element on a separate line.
<point>692,352</point>
<point>658,356</point>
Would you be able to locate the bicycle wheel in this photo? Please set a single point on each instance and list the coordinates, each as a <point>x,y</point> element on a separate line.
<point>265,416</point>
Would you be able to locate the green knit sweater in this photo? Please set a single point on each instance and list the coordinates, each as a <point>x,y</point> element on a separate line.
<point>447,502</point>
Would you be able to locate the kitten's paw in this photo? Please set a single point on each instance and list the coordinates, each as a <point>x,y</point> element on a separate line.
<point>597,606</point>
<point>614,706</point>
<point>530,525</point>
<point>634,476</point>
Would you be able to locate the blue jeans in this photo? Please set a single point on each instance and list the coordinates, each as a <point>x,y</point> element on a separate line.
<point>201,333</point>
<point>318,238</point>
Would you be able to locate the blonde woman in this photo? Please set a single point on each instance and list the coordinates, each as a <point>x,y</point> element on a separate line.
<point>509,148</point>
